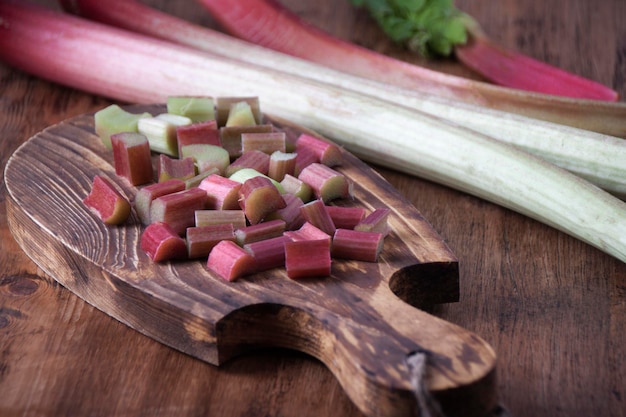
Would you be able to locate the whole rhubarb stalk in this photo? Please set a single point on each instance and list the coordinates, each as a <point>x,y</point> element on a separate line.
<point>596,158</point>
<point>436,27</point>
<point>135,68</point>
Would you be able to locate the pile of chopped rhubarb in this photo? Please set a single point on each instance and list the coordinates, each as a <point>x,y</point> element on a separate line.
<point>216,180</point>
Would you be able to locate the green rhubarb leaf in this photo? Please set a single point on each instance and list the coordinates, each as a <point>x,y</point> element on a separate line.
<point>429,27</point>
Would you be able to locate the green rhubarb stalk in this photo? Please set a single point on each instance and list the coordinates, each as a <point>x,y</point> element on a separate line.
<point>130,67</point>
<point>595,157</point>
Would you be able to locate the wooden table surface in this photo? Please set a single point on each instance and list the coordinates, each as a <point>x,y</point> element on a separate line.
<point>553,308</point>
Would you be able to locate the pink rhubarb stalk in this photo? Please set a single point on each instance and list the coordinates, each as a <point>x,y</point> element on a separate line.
<point>256,21</point>
<point>413,86</point>
<point>512,69</point>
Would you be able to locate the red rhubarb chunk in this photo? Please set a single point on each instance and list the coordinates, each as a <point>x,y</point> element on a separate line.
<point>327,153</point>
<point>260,231</point>
<point>202,239</point>
<point>145,196</point>
<point>259,197</point>
<point>230,261</point>
<point>176,168</point>
<point>162,243</point>
<point>132,157</point>
<point>268,253</point>
<point>357,245</point>
<point>107,202</point>
<point>307,258</point>
<point>198,133</point>
<point>178,209</point>
<point>222,193</point>
<point>346,217</point>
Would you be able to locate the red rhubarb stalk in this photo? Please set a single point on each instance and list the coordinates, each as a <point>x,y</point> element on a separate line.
<point>599,116</point>
<point>256,21</point>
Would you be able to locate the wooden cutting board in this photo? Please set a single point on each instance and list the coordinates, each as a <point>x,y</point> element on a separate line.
<point>364,322</point>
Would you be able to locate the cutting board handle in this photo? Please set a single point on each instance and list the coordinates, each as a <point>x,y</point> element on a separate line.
<point>371,358</point>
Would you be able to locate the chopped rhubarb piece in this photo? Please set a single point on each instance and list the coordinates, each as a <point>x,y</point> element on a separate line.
<point>223,108</point>
<point>357,245</point>
<point>222,193</point>
<point>198,133</point>
<point>307,258</point>
<point>113,119</point>
<point>281,164</point>
<point>132,157</point>
<point>257,160</point>
<point>200,240</point>
<point>161,132</point>
<point>236,218</point>
<point>240,114</point>
<point>162,243</point>
<point>259,197</point>
<point>268,253</point>
<point>290,214</point>
<point>292,185</point>
<point>315,213</point>
<point>230,261</point>
<point>259,231</point>
<point>178,209</point>
<point>326,183</point>
<point>230,137</point>
<point>264,142</point>
<point>207,157</point>
<point>346,217</point>
<point>195,181</point>
<point>308,232</point>
<point>244,174</point>
<point>197,108</point>
<point>327,153</point>
<point>304,158</point>
<point>174,168</point>
<point>145,196</point>
<point>107,202</point>
<point>376,221</point>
